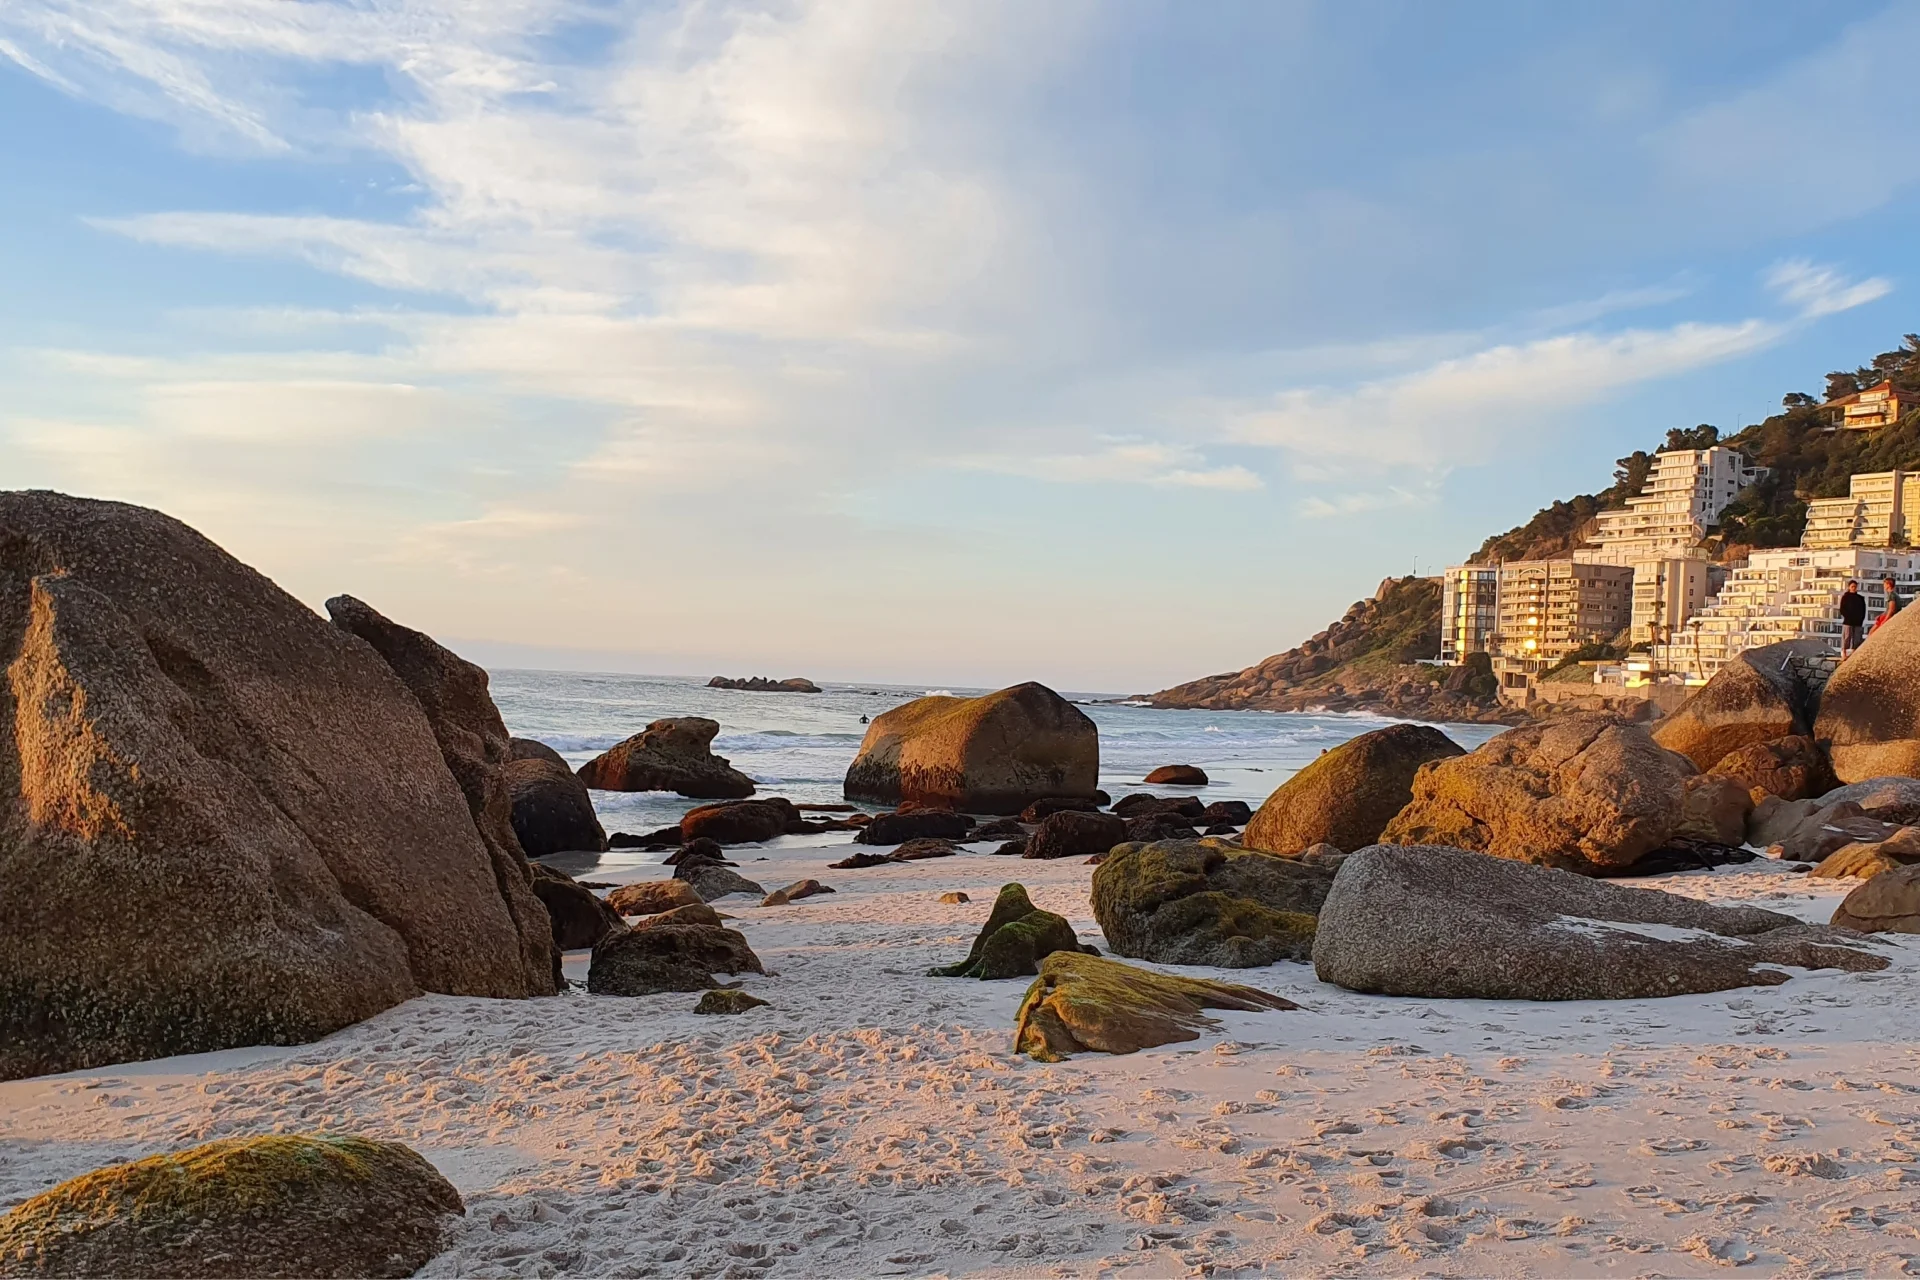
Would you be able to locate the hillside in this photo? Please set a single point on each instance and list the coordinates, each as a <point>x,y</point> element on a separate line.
<point>1365,661</point>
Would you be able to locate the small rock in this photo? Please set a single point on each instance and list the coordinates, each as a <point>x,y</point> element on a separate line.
<point>1177,775</point>
<point>650,897</point>
<point>954,896</point>
<point>728,1000</point>
<point>794,892</point>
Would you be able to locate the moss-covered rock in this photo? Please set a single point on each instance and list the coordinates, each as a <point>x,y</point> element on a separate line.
<point>1208,902</point>
<point>1347,796</point>
<point>283,1205</point>
<point>668,957</point>
<point>1016,937</point>
<point>728,1000</point>
<point>1082,1002</point>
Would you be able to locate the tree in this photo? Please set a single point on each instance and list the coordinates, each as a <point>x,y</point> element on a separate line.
<point>1704,436</point>
<point>1797,400</point>
<point>1841,383</point>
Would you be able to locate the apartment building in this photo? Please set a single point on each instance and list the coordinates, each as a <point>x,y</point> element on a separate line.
<point>1549,608</point>
<point>1684,495</point>
<point>1668,592</point>
<point>1469,601</point>
<point>1782,593</point>
<point>1881,509</point>
<point>1876,406</point>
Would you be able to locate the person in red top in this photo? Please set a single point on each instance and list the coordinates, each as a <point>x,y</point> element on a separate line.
<point>1893,604</point>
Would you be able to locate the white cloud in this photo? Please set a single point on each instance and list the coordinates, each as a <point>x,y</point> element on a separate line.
<point>1119,461</point>
<point>1821,291</point>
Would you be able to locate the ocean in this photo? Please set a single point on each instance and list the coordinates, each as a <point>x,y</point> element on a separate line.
<point>799,745</point>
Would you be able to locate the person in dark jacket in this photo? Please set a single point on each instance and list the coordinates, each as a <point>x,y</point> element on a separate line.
<point>1853,618</point>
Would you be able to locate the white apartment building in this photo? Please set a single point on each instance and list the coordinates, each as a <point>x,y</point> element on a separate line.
<point>1661,529</point>
<point>1469,608</point>
<point>1881,509</point>
<point>1782,593</point>
<point>1684,494</point>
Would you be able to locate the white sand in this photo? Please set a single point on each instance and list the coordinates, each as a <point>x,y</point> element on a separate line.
<point>875,1121</point>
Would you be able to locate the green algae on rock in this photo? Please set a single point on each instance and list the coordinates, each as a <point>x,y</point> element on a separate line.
<point>1208,902</point>
<point>1082,1002</point>
<point>281,1205</point>
<point>728,1000</point>
<point>1016,937</point>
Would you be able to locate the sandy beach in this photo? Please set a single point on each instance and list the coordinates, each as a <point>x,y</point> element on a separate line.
<point>875,1121</point>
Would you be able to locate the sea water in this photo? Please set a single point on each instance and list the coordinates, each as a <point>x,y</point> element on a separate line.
<point>799,745</point>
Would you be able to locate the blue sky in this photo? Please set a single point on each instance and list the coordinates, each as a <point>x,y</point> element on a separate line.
<point>1109,344</point>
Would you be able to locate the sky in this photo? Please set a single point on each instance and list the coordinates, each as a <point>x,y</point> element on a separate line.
<point>1109,344</point>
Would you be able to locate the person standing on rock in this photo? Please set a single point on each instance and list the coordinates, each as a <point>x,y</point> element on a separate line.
<point>1893,604</point>
<point>1853,618</point>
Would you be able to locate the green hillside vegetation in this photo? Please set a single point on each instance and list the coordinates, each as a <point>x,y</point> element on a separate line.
<point>1804,460</point>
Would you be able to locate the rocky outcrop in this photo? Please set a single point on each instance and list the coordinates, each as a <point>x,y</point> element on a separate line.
<point>1207,902</point>
<point>177,732</point>
<point>761,684</point>
<point>1083,1002</point>
<point>668,957</point>
<point>1887,903</point>
<point>580,918</point>
<point>281,1205</point>
<point>1444,923</point>
<point>1177,775</point>
<point>1864,861</point>
<point>1792,768</point>
<point>552,812</point>
<point>529,749</point>
<point>1141,805</point>
<point>1890,799</point>
<point>919,824</point>
<point>1587,793</point>
<point>1069,835</point>
<point>993,754</point>
<point>741,821</point>
<point>1758,697</point>
<point>650,897</point>
<point>1870,712</point>
<point>1714,809</point>
<point>669,755</point>
<point>1347,796</point>
<point>1016,937</point>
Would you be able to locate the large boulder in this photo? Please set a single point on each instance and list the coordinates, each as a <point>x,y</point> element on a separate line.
<point>1890,799</point>
<point>668,957</point>
<point>1177,775</point>
<point>1587,792</point>
<point>177,732</point>
<point>580,917</point>
<point>1864,861</point>
<point>1714,810</point>
<point>993,754</point>
<point>1081,1002</point>
<point>712,881</point>
<point>1828,829</point>
<point>552,812</point>
<point>1443,923</point>
<point>741,821</point>
<point>532,749</point>
<point>1068,834</point>
<point>651,897</point>
<point>1886,903</point>
<point>279,1205</point>
<point>1207,902</point>
<point>1870,712</point>
<point>1347,796</point>
<point>1792,768</point>
<point>669,755</point>
<point>1015,938</point>
<point>1758,697</point>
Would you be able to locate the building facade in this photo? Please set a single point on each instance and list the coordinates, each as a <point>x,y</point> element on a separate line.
<point>1666,593</point>
<point>1881,509</point>
<point>1684,495</point>
<point>1469,601</point>
<point>1877,406</point>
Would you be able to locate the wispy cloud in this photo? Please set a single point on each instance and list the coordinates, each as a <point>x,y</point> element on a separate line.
<point>1822,291</point>
<point>1126,462</point>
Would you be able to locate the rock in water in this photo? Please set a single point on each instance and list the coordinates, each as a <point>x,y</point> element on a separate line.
<point>1412,920</point>
<point>729,999</point>
<point>741,821</point>
<point>761,684</point>
<point>552,812</point>
<point>1870,712</point>
<point>177,732</point>
<point>1015,938</point>
<point>1177,775</point>
<point>668,957</point>
<point>1207,902</point>
<point>1758,697</point>
<point>1347,796</point>
<point>992,754</point>
<point>580,919</point>
<point>281,1205</point>
<point>669,755</point>
<point>650,897</point>
<point>530,749</point>
<point>1068,835</point>
<point>1082,1002</point>
<point>1588,793</point>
